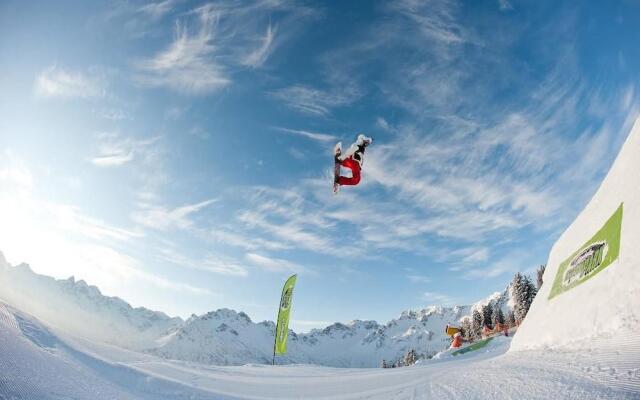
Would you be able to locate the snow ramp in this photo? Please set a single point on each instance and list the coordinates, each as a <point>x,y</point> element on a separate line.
<point>590,298</point>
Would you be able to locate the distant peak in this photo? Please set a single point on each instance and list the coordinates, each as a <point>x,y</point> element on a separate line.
<point>224,313</point>
<point>24,267</point>
<point>367,324</point>
<point>418,314</point>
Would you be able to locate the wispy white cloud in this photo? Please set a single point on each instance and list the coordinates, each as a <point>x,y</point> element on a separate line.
<point>162,219</point>
<point>291,231</point>
<point>114,150</point>
<point>434,19</point>
<point>215,40</point>
<point>189,64</point>
<point>318,137</point>
<point>112,114</point>
<point>224,267</point>
<point>311,100</point>
<point>258,56</point>
<point>629,95</point>
<point>215,264</point>
<point>383,124</point>
<point>505,5</point>
<point>516,260</point>
<point>71,219</point>
<point>55,81</point>
<point>291,218</point>
<point>439,299</point>
<point>440,41</point>
<point>113,159</point>
<point>419,278</point>
<point>272,264</point>
<point>231,236</point>
<point>472,254</point>
<point>159,9</point>
<point>297,153</point>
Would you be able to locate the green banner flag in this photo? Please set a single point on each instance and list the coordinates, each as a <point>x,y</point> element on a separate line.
<point>282,328</point>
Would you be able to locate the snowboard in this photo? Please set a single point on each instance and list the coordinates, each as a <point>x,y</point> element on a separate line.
<point>337,150</point>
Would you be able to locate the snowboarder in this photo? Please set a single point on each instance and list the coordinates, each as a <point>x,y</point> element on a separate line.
<point>352,159</point>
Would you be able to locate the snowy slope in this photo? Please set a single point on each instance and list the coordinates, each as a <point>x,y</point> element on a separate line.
<point>36,363</point>
<point>226,337</point>
<point>606,303</point>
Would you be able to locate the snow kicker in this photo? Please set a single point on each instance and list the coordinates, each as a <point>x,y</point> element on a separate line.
<point>591,286</point>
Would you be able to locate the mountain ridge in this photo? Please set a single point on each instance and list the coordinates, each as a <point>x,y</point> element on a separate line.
<point>226,336</point>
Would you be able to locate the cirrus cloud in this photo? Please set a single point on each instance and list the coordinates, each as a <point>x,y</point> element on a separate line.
<point>55,81</point>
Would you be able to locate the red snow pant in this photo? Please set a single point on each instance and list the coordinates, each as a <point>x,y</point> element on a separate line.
<point>354,166</point>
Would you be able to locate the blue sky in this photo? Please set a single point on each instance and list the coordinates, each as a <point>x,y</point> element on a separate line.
<point>178,154</point>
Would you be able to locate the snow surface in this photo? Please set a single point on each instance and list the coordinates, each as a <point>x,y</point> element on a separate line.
<point>38,363</point>
<point>609,302</point>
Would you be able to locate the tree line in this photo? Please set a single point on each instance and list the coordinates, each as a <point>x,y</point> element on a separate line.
<point>490,317</point>
<point>406,360</point>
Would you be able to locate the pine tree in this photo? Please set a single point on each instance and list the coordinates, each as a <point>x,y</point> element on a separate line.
<point>465,328</point>
<point>523,292</point>
<point>410,358</point>
<point>518,296</point>
<point>529,293</point>
<point>522,299</point>
<point>533,292</point>
<point>511,318</point>
<point>540,273</point>
<point>487,314</point>
<point>498,316</point>
<point>476,325</point>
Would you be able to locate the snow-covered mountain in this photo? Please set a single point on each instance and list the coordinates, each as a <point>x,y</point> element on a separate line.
<point>80,308</point>
<point>226,337</point>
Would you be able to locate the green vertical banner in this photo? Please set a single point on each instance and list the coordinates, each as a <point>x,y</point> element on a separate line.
<point>282,328</point>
